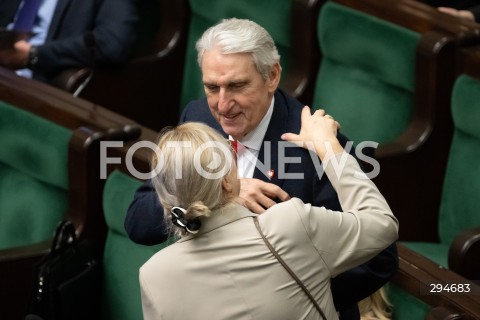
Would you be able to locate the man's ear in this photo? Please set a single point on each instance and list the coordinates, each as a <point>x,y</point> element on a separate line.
<point>274,77</point>
<point>226,185</point>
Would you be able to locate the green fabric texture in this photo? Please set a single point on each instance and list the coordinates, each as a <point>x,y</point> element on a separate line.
<point>405,306</point>
<point>273,15</point>
<point>459,207</point>
<point>367,76</point>
<point>29,209</point>
<point>33,176</point>
<point>117,195</point>
<point>367,108</point>
<point>36,146</point>
<point>122,257</point>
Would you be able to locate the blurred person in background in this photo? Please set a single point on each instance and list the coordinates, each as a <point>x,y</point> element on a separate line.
<point>465,9</point>
<point>56,35</point>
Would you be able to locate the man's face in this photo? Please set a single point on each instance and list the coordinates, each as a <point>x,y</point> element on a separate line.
<point>237,94</point>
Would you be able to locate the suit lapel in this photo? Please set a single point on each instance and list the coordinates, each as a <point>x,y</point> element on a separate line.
<point>8,9</point>
<point>57,18</point>
<point>276,127</point>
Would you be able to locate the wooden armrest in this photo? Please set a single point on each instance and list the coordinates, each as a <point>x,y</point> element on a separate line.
<point>12,255</point>
<point>408,142</point>
<point>416,274</point>
<point>425,17</point>
<point>85,162</point>
<point>304,51</point>
<point>69,80</point>
<point>464,253</point>
<point>442,313</point>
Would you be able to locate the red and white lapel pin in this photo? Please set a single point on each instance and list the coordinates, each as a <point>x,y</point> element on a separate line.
<point>270,174</point>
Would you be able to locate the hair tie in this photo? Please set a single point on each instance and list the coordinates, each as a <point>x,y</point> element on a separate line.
<point>178,219</point>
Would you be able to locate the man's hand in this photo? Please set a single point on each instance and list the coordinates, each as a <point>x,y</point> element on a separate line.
<point>257,195</point>
<point>16,57</point>
<point>463,14</point>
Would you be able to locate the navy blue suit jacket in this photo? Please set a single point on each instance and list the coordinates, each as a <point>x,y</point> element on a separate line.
<point>112,23</point>
<point>144,222</point>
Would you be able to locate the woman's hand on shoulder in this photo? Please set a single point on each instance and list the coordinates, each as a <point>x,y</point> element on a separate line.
<point>318,132</point>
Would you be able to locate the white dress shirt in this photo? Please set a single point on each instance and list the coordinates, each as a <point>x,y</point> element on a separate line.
<point>249,146</point>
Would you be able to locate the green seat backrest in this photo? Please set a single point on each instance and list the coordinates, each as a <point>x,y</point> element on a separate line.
<point>122,257</point>
<point>366,77</point>
<point>460,209</point>
<point>33,176</point>
<point>274,16</point>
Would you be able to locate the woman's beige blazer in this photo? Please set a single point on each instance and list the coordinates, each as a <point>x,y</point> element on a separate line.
<point>227,272</point>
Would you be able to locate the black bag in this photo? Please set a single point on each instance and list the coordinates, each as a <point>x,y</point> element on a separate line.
<point>67,280</point>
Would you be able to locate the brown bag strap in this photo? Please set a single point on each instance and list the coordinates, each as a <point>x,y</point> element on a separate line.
<point>290,271</point>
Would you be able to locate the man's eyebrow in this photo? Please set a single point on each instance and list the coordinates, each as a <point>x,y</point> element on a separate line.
<point>210,84</point>
<point>235,82</point>
<point>229,84</point>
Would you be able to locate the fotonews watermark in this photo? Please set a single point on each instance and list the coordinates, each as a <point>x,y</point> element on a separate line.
<point>221,159</point>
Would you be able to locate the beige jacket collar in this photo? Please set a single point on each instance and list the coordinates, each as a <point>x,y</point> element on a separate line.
<point>220,217</point>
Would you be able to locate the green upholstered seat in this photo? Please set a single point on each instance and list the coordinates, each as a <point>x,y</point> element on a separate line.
<point>404,305</point>
<point>274,16</point>
<point>459,208</point>
<point>33,176</point>
<point>122,257</point>
<point>366,77</point>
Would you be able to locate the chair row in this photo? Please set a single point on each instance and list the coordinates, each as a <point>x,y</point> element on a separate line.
<point>403,77</point>
<point>47,137</point>
<point>458,219</point>
<point>388,80</point>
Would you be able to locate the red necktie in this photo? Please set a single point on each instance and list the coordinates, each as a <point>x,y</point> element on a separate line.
<point>234,144</point>
<point>237,147</point>
<point>26,15</point>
